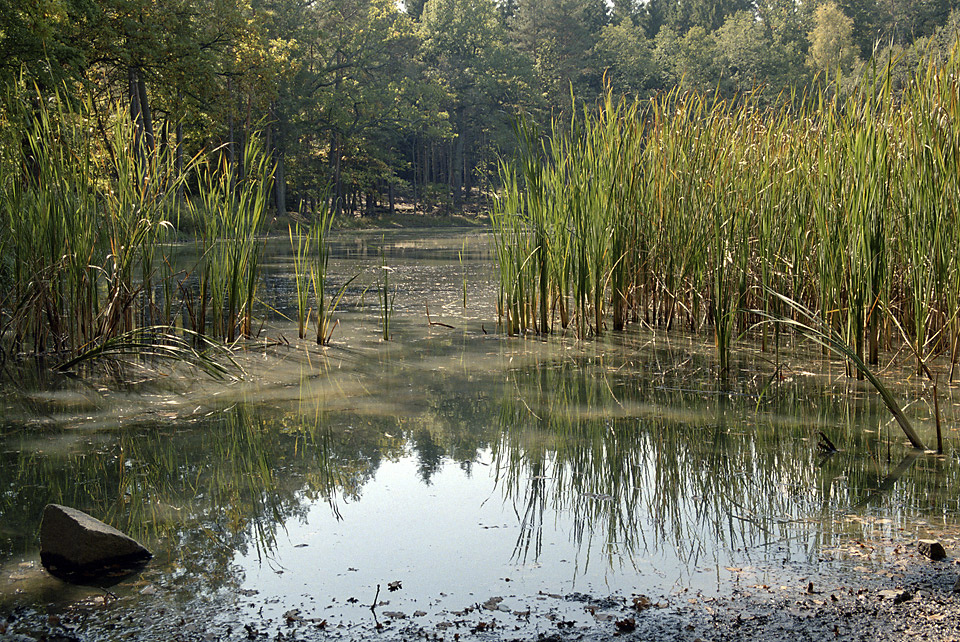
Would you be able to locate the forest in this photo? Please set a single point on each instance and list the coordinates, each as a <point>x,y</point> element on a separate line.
<point>366,104</point>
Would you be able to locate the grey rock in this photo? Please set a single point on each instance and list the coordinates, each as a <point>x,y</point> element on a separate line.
<point>899,596</point>
<point>931,548</point>
<point>72,541</point>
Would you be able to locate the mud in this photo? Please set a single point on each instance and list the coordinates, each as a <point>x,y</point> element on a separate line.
<point>906,597</point>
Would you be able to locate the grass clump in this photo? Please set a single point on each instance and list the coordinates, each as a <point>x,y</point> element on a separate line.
<point>88,213</point>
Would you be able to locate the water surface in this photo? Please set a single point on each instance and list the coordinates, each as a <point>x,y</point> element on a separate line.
<point>483,478</point>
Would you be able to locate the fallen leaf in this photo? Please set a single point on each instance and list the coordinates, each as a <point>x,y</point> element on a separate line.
<point>493,603</point>
<point>626,625</point>
<point>641,602</point>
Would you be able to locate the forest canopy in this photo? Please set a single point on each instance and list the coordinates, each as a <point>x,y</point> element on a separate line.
<point>367,102</point>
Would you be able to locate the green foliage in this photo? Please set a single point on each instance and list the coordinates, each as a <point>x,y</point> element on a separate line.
<point>832,50</point>
<point>367,104</point>
<point>687,206</point>
<point>230,211</point>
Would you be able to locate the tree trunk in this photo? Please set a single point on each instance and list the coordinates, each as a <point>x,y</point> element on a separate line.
<point>136,116</point>
<point>231,155</point>
<point>280,184</point>
<point>335,159</point>
<point>178,162</point>
<point>276,141</point>
<point>145,115</point>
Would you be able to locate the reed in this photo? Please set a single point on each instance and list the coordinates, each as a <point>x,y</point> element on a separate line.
<point>87,214</point>
<point>300,245</point>
<point>385,296</point>
<point>688,207</point>
<point>319,232</point>
<point>84,220</point>
<point>229,211</point>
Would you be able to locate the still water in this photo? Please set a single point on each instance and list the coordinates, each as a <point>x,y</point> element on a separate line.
<point>451,475</point>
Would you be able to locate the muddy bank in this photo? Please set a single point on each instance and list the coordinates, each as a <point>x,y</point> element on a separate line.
<point>906,597</point>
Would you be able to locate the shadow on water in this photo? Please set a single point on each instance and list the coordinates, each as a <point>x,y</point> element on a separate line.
<point>610,466</point>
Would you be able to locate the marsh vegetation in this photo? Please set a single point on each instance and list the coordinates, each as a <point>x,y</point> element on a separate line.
<point>715,215</point>
<point>667,261</point>
<point>617,465</point>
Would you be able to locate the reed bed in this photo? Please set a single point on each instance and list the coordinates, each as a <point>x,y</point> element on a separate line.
<point>88,214</point>
<point>230,212</point>
<point>695,211</point>
<point>311,259</point>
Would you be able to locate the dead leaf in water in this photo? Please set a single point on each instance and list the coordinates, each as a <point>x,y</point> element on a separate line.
<point>626,625</point>
<point>394,586</point>
<point>292,616</point>
<point>641,603</point>
<point>493,603</point>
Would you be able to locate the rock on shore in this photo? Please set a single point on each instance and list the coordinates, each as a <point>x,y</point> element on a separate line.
<point>73,542</point>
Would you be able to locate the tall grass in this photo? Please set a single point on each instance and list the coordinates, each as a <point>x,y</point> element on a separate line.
<point>83,221</point>
<point>86,225</point>
<point>687,208</point>
<point>230,212</point>
<point>385,296</point>
<point>319,232</point>
<point>300,240</point>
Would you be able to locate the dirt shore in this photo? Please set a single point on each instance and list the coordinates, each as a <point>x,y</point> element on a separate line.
<point>903,596</point>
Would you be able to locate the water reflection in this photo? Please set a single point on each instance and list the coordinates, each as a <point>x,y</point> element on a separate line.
<point>611,466</point>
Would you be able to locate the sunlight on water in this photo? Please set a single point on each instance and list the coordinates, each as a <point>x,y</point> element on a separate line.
<point>488,477</point>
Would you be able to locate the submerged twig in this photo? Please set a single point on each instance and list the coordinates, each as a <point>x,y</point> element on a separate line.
<point>828,338</point>
<point>826,445</point>
<point>430,322</point>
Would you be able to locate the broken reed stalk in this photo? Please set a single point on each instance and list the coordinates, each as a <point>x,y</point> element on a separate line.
<point>922,365</point>
<point>430,322</point>
<point>831,340</point>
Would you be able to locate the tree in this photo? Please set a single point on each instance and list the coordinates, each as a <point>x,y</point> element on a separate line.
<point>342,98</point>
<point>35,39</point>
<point>464,50</point>
<point>683,15</point>
<point>688,61</point>
<point>832,49</point>
<point>626,55</point>
<point>789,23</point>
<point>747,57</point>
<point>559,37</point>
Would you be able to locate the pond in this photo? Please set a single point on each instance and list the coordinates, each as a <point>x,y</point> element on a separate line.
<point>456,480</point>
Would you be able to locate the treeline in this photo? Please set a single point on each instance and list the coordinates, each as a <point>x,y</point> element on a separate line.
<point>365,103</point>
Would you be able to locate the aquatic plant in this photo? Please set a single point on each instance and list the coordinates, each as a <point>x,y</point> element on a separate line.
<point>160,343</point>
<point>686,207</point>
<point>319,263</point>
<point>84,217</point>
<point>811,326</point>
<point>300,244</point>
<point>385,295</point>
<point>229,211</point>
<point>87,219</point>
